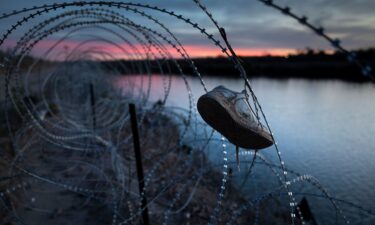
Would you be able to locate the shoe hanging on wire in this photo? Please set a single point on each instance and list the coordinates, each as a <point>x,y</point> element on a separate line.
<point>231,115</point>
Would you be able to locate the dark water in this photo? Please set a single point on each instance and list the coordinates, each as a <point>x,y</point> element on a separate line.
<point>323,128</point>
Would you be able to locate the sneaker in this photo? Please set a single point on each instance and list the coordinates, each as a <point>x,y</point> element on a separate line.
<point>229,113</point>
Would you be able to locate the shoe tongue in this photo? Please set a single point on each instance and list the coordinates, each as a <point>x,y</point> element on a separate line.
<point>226,92</point>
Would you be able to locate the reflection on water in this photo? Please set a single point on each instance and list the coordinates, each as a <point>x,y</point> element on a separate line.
<point>324,128</point>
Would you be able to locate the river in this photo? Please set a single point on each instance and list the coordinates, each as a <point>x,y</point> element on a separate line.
<point>325,128</point>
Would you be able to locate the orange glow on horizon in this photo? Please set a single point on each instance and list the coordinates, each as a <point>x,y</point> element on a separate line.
<point>198,51</point>
<point>117,52</point>
<point>203,51</point>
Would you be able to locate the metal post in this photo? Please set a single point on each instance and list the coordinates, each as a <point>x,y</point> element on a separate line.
<point>92,100</point>
<point>138,157</point>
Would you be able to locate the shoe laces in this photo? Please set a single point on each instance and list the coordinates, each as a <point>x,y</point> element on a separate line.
<point>243,107</point>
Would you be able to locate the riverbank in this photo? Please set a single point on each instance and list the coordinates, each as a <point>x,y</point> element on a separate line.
<point>316,65</point>
<point>59,185</point>
<point>310,65</point>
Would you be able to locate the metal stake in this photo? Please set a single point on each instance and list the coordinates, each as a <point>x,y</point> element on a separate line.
<point>138,157</point>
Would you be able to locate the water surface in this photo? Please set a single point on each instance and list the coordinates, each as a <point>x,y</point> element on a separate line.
<point>324,128</point>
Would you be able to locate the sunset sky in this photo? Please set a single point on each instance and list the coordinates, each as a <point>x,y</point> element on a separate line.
<point>252,27</point>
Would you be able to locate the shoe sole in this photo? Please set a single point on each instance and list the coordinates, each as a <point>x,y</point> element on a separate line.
<point>223,120</point>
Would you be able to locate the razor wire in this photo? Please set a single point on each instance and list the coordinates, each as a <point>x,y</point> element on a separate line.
<point>55,143</point>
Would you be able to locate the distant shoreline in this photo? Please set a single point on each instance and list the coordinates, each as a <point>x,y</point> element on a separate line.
<point>310,65</point>
<point>315,65</point>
